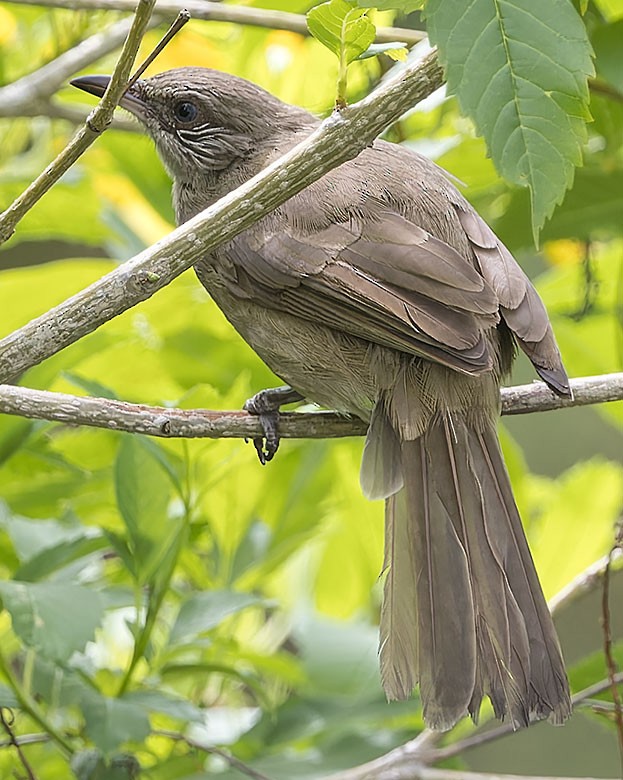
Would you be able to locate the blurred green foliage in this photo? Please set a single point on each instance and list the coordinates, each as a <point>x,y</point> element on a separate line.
<point>157,586</point>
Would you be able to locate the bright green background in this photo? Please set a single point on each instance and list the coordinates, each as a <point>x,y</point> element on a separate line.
<point>257,588</point>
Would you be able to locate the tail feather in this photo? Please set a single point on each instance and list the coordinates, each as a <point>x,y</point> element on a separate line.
<point>462,587</point>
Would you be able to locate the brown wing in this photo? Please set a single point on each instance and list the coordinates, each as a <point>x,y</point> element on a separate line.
<point>520,305</point>
<point>387,281</point>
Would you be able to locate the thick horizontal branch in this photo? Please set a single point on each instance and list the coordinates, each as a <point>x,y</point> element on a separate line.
<point>200,423</point>
<point>339,138</point>
<point>221,12</point>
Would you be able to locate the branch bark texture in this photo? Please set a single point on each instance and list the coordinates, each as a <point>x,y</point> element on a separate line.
<point>221,12</point>
<point>201,423</point>
<point>339,138</point>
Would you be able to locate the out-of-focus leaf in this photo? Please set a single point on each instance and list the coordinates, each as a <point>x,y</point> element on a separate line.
<point>520,70</point>
<point>576,526</point>
<point>593,669</point>
<point>56,620</point>
<point>92,765</point>
<point>112,722</point>
<point>143,495</point>
<point>606,41</point>
<point>7,697</point>
<point>158,701</point>
<point>592,208</point>
<point>204,611</point>
<point>611,9</point>
<point>61,555</point>
<point>341,27</point>
<point>341,658</point>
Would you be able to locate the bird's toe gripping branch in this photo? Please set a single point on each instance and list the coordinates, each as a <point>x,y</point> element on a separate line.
<point>266,405</point>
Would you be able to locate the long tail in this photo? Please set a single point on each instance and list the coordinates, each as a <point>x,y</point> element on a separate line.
<point>464,614</point>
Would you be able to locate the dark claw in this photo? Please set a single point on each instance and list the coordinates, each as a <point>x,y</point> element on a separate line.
<point>265,405</point>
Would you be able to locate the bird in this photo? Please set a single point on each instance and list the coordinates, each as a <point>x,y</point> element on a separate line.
<point>380,292</point>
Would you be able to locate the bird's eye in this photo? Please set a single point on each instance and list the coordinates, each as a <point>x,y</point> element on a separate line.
<point>185,111</point>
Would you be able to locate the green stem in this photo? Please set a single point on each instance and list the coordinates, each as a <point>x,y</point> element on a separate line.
<point>340,101</point>
<point>28,705</point>
<point>158,591</point>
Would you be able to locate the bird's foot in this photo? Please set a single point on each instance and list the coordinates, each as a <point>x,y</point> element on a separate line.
<point>266,405</point>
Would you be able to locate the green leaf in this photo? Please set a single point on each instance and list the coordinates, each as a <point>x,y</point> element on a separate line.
<point>342,28</point>
<point>584,503</point>
<point>7,697</point>
<point>143,494</point>
<point>56,620</point>
<point>403,6</point>
<point>58,557</point>
<point>112,722</point>
<point>611,9</point>
<point>205,611</point>
<point>607,41</point>
<point>393,49</point>
<point>520,70</point>
<point>92,765</point>
<point>173,706</point>
<point>591,210</point>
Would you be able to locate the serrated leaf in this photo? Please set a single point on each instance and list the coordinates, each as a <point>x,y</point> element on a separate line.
<point>520,71</point>
<point>56,620</point>
<point>341,27</point>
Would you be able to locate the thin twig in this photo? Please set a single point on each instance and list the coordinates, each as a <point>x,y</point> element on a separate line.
<point>412,761</point>
<point>337,139</point>
<point>202,423</point>
<point>587,580</point>
<point>180,20</point>
<point>7,723</point>
<point>221,12</point>
<point>234,763</point>
<point>27,739</point>
<point>28,705</point>
<point>96,123</point>
<point>607,631</point>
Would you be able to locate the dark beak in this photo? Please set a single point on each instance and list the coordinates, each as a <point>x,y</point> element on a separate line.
<point>96,85</point>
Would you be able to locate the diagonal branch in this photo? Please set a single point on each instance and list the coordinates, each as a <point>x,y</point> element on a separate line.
<point>97,122</point>
<point>339,138</point>
<point>414,759</point>
<point>202,423</point>
<point>48,79</point>
<point>221,12</point>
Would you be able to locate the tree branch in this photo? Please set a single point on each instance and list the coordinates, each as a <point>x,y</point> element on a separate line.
<point>97,121</point>
<point>220,12</point>
<point>413,760</point>
<point>202,423</point>
<point>339,138</point>
<point>42,83</point>
<point>234,763</point>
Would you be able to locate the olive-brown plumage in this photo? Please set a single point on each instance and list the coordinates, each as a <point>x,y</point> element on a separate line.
<point>379,291</point>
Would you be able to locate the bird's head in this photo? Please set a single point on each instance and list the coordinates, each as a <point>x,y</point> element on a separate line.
<point>201,120</point>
